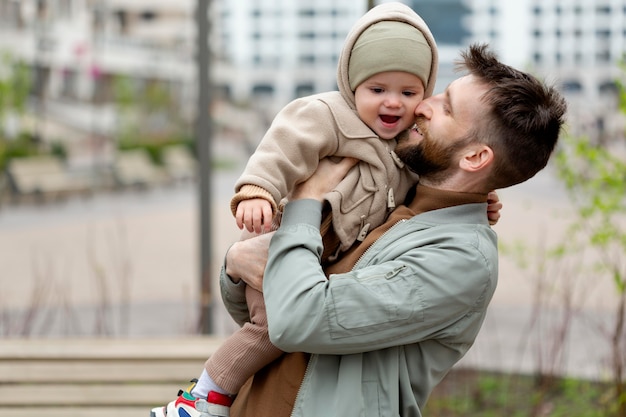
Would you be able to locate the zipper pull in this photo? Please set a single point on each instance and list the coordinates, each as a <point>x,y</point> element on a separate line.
<point>365,228</point>
<point>391,200</point>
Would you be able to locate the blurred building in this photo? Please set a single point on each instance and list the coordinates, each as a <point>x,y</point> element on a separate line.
<point>576,44</point>
<point>266,53</point>
<point>580,43</point>
<point>277,50</point>
<point>79,49</point>
<point>77,46</point>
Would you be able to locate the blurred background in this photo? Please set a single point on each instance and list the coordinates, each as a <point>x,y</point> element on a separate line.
<point>124,125</point>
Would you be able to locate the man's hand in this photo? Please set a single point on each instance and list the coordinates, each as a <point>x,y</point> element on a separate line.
<point>326,177</point>
<point>493,208</point>
<point>246,260</point>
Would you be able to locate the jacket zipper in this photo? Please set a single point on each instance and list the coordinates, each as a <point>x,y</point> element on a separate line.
<point>371,246</point>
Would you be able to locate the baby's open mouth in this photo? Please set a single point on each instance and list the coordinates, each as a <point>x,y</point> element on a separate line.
<point>389,119</point>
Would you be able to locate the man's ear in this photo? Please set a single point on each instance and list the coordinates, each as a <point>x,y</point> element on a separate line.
<point>476,158</point>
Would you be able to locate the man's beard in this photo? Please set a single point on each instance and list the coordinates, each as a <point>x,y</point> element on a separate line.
<point>430,159</point>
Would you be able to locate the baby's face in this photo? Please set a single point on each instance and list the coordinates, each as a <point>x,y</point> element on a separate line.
<point>386,102</point>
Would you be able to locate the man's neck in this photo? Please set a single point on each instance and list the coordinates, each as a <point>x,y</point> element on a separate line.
<point>432,198</point>
<point>456,184</point>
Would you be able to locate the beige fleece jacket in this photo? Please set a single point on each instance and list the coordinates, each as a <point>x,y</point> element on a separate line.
<point>311,128</point>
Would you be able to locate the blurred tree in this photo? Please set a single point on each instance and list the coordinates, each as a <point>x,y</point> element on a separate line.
<point>15,85</point>
<point>595,179</point>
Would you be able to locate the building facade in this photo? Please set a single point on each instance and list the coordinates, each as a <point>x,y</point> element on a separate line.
<point>272,51</point>
<point>265,53</point>
<point>576,44</point>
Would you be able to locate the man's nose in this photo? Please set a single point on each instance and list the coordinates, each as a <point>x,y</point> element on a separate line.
<point>424,108</point>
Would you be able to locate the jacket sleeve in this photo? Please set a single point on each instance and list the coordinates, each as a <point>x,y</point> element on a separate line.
<point>234,298</point>
<point>433,290</point>
<point>301,134</point>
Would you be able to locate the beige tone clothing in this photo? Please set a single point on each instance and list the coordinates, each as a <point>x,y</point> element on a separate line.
<point>327,124</point>
<point>239,357</point>
<point>304,132</point>
<point>319,126</point>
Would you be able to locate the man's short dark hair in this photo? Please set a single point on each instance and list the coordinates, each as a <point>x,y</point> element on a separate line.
<point>525,120</point>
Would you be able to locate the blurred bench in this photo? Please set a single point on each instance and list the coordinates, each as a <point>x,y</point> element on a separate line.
<point>134,168</point>
<point>97,377</point>
<point>179,163</point>
<point>43,176</point>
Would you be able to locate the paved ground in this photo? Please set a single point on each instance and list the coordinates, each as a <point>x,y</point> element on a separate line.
<point>126,264</point>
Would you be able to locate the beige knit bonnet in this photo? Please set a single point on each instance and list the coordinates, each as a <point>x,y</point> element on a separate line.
<point>389,46</point>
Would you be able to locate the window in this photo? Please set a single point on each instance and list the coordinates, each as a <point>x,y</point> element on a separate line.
<point>571,86</point>
<point>304,90</point>
<point>603,56</point>
<point>68,85</point>
<point>263,90</point>
<point>608,87</point>
<point>122,20</point>
<point>578,58</point>
<point>307,59</point>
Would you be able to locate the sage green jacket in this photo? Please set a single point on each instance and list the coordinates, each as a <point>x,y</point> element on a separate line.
<point>384,334</point>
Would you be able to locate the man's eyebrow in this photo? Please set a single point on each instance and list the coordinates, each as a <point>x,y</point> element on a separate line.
<point>449,99</point>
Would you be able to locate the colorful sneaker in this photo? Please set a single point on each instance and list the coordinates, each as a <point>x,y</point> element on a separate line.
<point>186,405</point>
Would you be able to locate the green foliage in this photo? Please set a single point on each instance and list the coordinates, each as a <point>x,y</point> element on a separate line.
<point>595,180</point>
<point>480,394</point>
<point>147,116</point>
<point>14,85</point>
<point>22,146</point>
<point>58,149</point>
<point>155,148</point>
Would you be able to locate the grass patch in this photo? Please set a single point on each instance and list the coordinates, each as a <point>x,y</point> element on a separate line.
<point>471,393</point>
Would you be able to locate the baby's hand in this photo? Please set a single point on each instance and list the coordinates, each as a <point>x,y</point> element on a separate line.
<point>493,208</point>
<point>255,214</point>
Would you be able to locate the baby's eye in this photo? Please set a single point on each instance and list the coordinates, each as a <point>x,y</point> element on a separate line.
<point>408,93</point>
<point>376,90</point>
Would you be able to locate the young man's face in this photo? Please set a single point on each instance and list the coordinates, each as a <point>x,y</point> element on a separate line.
<point>386,102</point>
<point>442,127</point>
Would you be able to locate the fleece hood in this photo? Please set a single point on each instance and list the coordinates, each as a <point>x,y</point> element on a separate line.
<point>393,11</point>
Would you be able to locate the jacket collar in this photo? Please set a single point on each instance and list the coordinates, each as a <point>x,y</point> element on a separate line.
<point>428,199</point>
